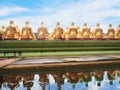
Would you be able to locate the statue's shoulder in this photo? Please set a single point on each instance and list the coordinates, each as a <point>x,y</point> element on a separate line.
<point>40,28</point>
<point>118,29</point>
<point>111,29</point>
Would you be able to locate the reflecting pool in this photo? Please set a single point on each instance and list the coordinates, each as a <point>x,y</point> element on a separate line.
<point>95,80</point>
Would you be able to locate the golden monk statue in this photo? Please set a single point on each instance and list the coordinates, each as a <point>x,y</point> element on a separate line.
<point>58,31</point>
<point>66,33</point>
<point>51,36</point>
<point>18,33</point>
<point>117,34</point>
<point>79,33</point>
<point>42,31</point>
<point>73,31</point>
<point>85,31</point>
<point>11,31</point>
<point>27,32</point>
<point>2,30</point>
<point>110,32</point>
<point>98,32</point>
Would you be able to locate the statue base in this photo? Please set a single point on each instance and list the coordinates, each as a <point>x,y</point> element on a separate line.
<point>113,39</point>
<point>26,39</point>
<point>100,38</point>
<point>41,38</point>
<point>59,39</point>
<point>10,39</point>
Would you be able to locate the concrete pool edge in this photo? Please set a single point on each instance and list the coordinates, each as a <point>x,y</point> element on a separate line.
<point>113,63</point>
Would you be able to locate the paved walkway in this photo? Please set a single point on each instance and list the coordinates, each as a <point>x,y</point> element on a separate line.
<point>59,64</point>
<point>16,62</point>
<point>7,61</point>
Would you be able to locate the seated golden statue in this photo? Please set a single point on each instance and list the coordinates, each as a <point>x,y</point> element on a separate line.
<point>2,30</point>
<point>85,31</point>
<point>117,34</point>
<point>11,31</point>
<point>58,31</point>
<point>79,33</point>
<point>27,32</point>
<point>72,31</point>
<point>66,33</point>
<point>110,32</point>
<point>42,31</point>
<point>51,36</point>
<point>98,32</point>
<point>18,33</point>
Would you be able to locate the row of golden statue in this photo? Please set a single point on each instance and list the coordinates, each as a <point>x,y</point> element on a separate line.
<point>72,32</point>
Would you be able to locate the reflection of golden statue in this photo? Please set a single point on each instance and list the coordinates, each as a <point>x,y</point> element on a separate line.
<point>110,32</point>
<point>85,31</point>
<point>11,31</point>
<point>73,31</point>
<point>98,32</point>
<point>42,31</point>
<point>27,32</point>
<point>117,34</point>
<point>2,30</point>
<point>58,31</point>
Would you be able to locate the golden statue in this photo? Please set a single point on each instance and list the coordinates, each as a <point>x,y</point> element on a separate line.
<point>27,32</point>
<point>110,32</point>
<point>73,31</point>
<point>85,31</point>
<point>42,31</point>
<point>66,33</point>
<point>18,33</point>
<point>51,36</point>
<point>79,33</point>
<point>91,33</point>
<point>58,31</point>
<point>11,31</point>
<point>117,34</point>
<point>98,32</point>
<point>2,30</point>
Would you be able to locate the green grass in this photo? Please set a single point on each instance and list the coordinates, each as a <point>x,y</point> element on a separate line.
<point>67,53</point>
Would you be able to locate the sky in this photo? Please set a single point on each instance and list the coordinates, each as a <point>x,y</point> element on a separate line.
<point>65,11</point>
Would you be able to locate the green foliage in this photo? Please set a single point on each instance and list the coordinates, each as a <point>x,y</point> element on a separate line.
<point>59,43</point>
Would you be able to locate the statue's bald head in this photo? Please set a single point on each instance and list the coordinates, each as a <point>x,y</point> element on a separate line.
<point>11,22</point>
<point>85,24</point>
<point>110,25</point>
<point>42,23</point>
<point>27,22</point>
<point>72,23</point>
<point>58,23</point>
<point>98,24</point>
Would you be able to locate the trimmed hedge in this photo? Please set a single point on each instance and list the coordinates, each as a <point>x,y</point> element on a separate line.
<point>60,49</point>
<point>59,43</point>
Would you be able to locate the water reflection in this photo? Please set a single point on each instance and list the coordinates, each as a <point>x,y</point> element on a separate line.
<point>98,80</point>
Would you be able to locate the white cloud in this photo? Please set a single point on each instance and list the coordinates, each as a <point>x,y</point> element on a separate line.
<point>90,11</point>
<point>8,10</point>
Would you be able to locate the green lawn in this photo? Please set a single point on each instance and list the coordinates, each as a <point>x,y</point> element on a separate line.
<point>67,53</point>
